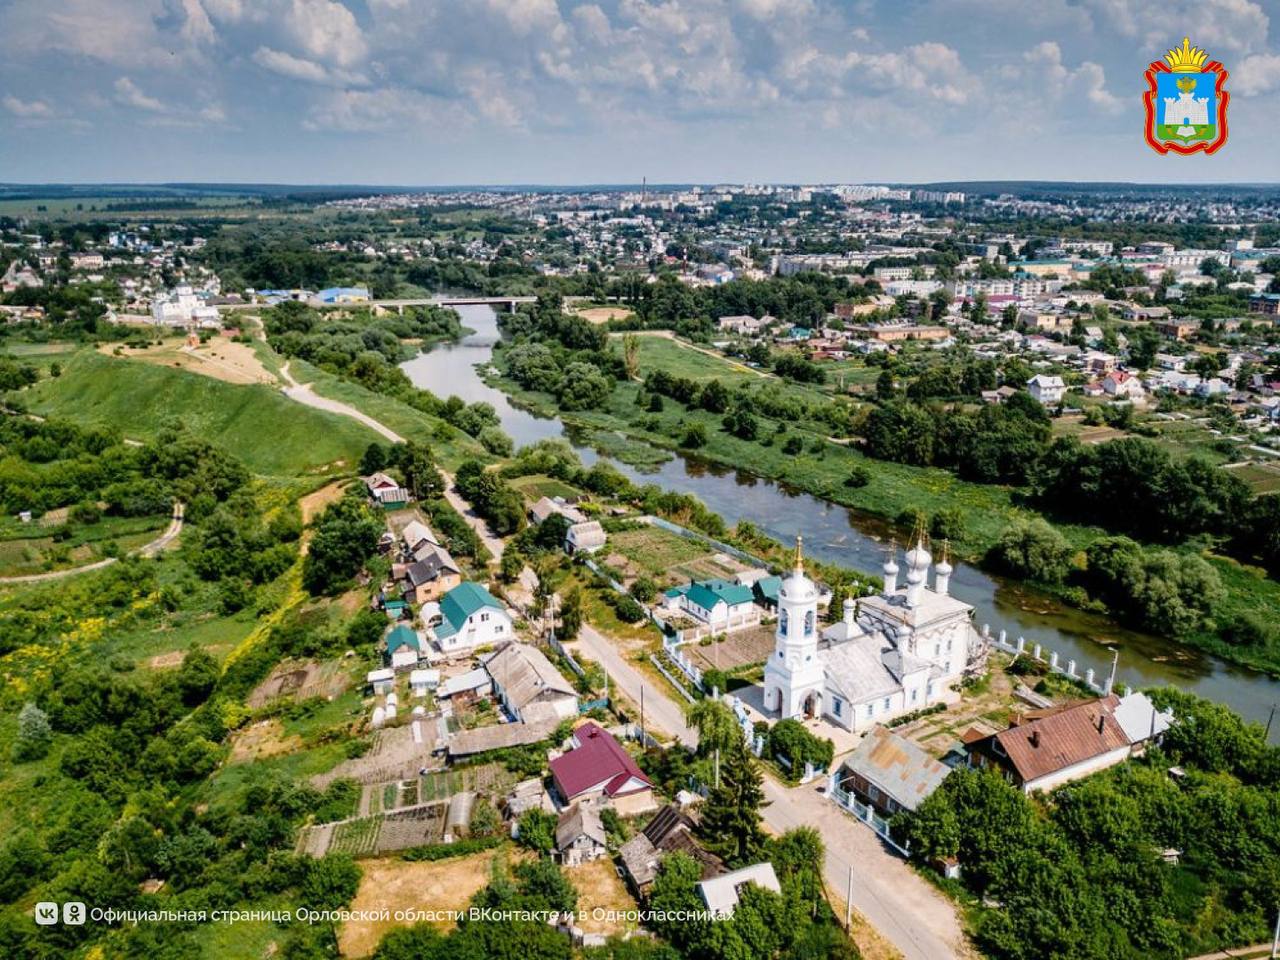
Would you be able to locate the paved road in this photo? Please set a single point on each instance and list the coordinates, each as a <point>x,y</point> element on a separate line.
<point>905,909</point>
<point>146,550</point>
<point>302,393</point>
<point>660,711</point>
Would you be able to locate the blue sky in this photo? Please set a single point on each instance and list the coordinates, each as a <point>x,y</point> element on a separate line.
<point>562,91</point>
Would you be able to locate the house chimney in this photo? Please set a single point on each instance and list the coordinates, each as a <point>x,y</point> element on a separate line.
<point>1035,738</point>
<point>1101,722</point>
<point>848,610</point>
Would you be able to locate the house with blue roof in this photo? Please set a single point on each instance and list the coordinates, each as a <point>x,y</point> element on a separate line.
<point>721,605</point>
<point>470,617</point>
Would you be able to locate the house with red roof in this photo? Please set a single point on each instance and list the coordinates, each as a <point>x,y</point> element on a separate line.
<point>598,768</point>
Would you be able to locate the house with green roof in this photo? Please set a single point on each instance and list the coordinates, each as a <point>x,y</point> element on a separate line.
<point>720,605</point>
<point>471,617</point>
<point>404,647</point>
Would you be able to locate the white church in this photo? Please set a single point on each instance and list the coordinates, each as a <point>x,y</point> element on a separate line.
<point>890,654</point>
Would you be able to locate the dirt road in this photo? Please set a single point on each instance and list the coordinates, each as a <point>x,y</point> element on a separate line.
<point>302,393</point>
<point>157,545</point>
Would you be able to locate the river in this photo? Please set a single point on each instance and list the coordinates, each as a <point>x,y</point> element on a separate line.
<point>839,535</point>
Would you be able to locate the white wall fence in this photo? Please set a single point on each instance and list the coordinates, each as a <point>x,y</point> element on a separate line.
<point>682,660</point>
<point>743,621</point>
<point>657,662</point>
<point>1051,659</point>
<point>864,812</point>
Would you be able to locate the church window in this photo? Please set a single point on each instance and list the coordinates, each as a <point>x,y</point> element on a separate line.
<point>782,622</point>
<point>887,702</point>
<point>871,709</point>
<point>915,695</point>
<point>837,706</point>
<point>937,649</point>
<point>928,692</point>
<point>808,623</point>
<point>949,646</point>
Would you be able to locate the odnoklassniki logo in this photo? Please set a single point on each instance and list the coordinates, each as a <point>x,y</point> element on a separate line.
<point>1186,102</point>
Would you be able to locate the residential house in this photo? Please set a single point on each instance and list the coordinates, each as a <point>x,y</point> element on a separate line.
<point>586,537</point>
<point>416,535</point>
<point>719,604</point>
<point>1142,723</point>
<point>1178,329</point>
<point>1047,389</point>
<point>597,767</point>
<point>431,575</point>
<point>529,685</point>
<point>890,773</point>
<point>671,830</point>
<point>385,491</point>
<point>470,617</point>
<point>721,894</point>
<point>547,506</point>
<point>745,325</point>
<point>580,835</point>
<point>404,647</point>
<point>1213,387</point>
<point>1123,384</point>
<point>1047,748</point>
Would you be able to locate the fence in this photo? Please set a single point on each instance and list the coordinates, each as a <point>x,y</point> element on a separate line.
<point>710,541</point>
<point>864,812</point>
<point>554,643</point>
<point>671,647</point>
<point>674,682</point>
<point>1021,647</point>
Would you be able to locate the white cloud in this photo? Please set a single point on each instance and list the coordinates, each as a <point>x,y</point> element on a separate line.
<point>326,30</point>
<point>27,109</point>
<point>1222,27</point>
<point>1257,75</point>
<point>348,111</point>
<point>297,68</point>
<point>129,94</point>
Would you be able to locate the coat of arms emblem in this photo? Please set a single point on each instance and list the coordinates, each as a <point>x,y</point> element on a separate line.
<point>1186,102</point>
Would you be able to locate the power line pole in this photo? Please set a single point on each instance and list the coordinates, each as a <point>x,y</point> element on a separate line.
<point>1267,736</point>
<point>848,902</point>
<point>1275,942</point>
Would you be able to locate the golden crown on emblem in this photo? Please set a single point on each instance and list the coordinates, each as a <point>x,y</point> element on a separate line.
<point>1186,59</point>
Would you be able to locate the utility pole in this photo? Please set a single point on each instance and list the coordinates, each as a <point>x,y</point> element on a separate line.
<point>1275,942</point>
<point>1267,736</point>
<point>642,743</point>
<point>848,902</point>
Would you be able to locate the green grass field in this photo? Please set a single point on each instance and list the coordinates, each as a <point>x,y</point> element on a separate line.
<point>270,433</point>
<point>540,485</point>
<point>450,446</point>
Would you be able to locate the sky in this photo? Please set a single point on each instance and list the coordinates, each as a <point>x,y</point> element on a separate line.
<point>435,92</point>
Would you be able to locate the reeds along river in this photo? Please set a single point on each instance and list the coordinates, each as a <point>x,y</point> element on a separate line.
<point>838,535</point>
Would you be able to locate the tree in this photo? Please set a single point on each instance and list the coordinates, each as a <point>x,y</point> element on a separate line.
<point>571,614</point>
<point>419,467</point>
<point>717,728</point>
<point>902,432</point>
<point>536,830</point>
<point>331,882</point>
<point>1033,550</point>
<point>373,459</point>
<point>584,387</point>
<point>731,814</point>
<point>631,355</point>
<point>346,535</point>
<point>34,735</point>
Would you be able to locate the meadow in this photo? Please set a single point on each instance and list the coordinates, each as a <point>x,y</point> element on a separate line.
<point>270,433</point>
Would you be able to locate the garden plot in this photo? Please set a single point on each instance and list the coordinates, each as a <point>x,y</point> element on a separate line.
<point>667,557</point>
<point>739,649</point>
<point>383,833</point>
<point>491,779</point>
<point>301,680</point>
<point>393,756</point>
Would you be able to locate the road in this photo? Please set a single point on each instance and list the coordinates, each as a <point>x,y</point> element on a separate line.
<point>903,908</point>
<point>493,543</point>
<point>302,393</point>
<point>157,545</point>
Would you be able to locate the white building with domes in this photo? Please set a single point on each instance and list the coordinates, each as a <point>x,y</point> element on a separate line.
<point>889,654</point>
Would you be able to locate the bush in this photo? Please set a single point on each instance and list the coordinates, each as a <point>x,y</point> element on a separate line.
<point>858,477</point>
<point>644,590</point>
<point>1033,550</point>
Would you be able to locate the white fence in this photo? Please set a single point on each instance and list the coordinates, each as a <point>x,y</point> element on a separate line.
<point>1053,661</point>
<point>864,812</point>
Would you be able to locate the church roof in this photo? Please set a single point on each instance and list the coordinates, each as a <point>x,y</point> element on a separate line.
<point>893,608</point>
<point>856,670</point>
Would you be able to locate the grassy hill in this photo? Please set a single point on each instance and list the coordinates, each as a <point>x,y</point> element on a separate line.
<point>270,433</point>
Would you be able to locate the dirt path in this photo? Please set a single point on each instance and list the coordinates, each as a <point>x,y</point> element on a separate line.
<point>668,335</point>
<point>157,545</point>
<point>493,543</point>
<point>302,393</point>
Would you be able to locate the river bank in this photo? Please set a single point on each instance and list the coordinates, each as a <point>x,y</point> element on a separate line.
<point>856,538</point>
